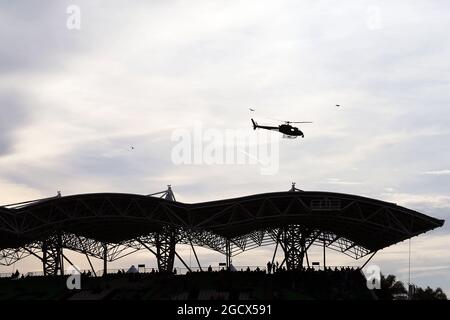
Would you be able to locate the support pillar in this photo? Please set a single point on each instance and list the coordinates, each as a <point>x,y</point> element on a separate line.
<point>293,241</point>
<point>52,260</point>
<point>228,253</point>
<point>105,259</point>
<point>165,242</point>
<point>196,257</point>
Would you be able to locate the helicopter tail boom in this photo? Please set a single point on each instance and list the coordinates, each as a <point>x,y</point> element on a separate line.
<point>257,126</point>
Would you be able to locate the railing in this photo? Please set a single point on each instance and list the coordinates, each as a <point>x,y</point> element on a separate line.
<point>179,270</point>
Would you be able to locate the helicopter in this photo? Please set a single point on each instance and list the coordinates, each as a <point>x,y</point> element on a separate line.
<point>286,129</point>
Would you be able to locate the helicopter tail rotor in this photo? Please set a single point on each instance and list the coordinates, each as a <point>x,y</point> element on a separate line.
<point>255,125</point>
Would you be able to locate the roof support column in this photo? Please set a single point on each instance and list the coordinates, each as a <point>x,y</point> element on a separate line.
<point>165,242</point>
<point>294,245</point>
<point>195,254</point>
<point>105,258</point>
<point>228,253</point>
<point>52,260</point>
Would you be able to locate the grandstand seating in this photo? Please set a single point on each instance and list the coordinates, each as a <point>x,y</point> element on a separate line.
<point>344,284</point>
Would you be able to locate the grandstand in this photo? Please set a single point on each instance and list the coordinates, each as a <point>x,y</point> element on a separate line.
<point>110,226</point>
<point>345,284</point>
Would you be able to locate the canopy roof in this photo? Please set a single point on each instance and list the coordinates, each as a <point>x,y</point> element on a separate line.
<point>113,217</point>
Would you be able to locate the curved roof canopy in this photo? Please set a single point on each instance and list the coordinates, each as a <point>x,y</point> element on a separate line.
<point>113,218</point>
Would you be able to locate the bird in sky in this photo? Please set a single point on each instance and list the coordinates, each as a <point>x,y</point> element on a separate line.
<point>251,109</point>
<point>132,148</point>
<point>338,105</point>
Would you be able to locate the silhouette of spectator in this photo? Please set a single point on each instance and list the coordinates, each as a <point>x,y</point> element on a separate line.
<point>248,269</point>
<point>209,268</point>
<point>269,267</point>
<point>175,271</point>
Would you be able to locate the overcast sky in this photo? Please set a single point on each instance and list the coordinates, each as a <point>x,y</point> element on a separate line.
<point>73,102</point>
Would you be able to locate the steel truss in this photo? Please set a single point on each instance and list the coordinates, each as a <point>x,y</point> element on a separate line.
<point>165,242</point>
<point>294,221</point>
<point>293,242</point>
<point>9,257</point>
<point>292,238</point>
<point>52,256</point>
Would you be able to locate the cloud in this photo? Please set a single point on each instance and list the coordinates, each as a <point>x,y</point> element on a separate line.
<point>341,182</point>
<point>438,172</point>
<point>36,37</point>
<point>15,113</point>
<point>14,192</point>
<point>419,200</point>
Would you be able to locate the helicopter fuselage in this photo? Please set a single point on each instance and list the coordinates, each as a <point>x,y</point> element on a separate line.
<point>290,130</point>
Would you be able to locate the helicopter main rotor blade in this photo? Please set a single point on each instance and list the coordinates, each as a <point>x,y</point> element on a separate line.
<point>300,121</point>
<point>287,121</point>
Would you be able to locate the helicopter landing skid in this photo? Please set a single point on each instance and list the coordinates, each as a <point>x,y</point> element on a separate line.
<point>285,136</point>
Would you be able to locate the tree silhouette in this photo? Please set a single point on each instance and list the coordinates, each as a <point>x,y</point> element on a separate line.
<point>429,294</point>
<point>390,287</point>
